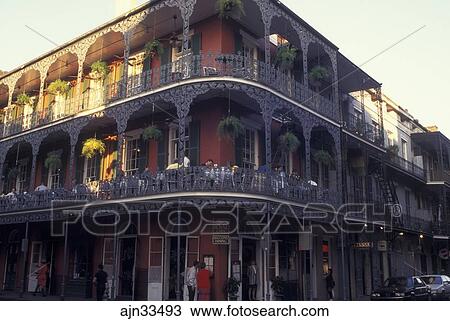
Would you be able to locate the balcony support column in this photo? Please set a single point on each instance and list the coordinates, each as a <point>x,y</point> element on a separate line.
<point>72,164</point>
<point>305,47</point>
<point>79,92</point>
<point>267,116</point>
<point>126,57</point>
<point>2,163</point>
<point>307,134</point>
<point>33,167</point>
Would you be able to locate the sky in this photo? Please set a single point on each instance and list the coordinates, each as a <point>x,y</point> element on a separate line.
<point>415,73</point>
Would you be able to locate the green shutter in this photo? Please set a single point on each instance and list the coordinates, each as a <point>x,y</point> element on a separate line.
<point>143,154</point>
<point>162,151</point>
<point>196,43</point>
<point>238,43</point>
<point>194,143</point>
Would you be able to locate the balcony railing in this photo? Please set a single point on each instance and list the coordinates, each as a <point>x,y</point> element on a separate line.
<point>416,224</point>
<point>205,65</point>
<point>192,179</point>
<point>439,176</point>
<point>367,131</point>
<point>411,168</point>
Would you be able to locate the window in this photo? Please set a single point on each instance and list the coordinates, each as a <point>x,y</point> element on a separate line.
<point>249,149</point>
<point>390,136</point>
<point>209,261</point>
<point>131,156</point>
<point>90,169</point>
<point>408,202</point>
<point>53,178</point>
<point>22,176</point>
<point>404,149</point>
<point>173,142</point>
<point>325,257</point>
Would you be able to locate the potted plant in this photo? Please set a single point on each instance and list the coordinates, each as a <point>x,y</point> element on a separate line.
<point>58,87</point>
<point>151,133</point>
<point>93,146</point>
<point>392,150</point>
<point>285,57</point>
<point>53,160</point>
<point>278,285</point>
<point>23,99</point>
<point>153,48</point>
<point>99,70</point>
<point>322,156</point>
<point>318,75</point>
<point>228,8</point>
<point>289,142</point>
<point>232,289</point>
<point>230,127</point>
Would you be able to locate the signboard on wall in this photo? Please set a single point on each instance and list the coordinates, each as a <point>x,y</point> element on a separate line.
<point>382,246</point>
<point>444,253</point>
<point>220,239</point>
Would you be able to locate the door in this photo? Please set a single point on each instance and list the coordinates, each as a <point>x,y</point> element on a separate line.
<point>192,254</point>
<point>155,269</point>
<point>127,267</point>
<point>173,259</point>
<point>249,252</point>
<point>12,255</point>
<point>35,260</point>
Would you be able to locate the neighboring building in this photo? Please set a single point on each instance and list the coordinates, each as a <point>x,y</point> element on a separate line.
<point>203,70</point>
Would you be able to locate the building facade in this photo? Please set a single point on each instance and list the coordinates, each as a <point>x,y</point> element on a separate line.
<point>118,124</point>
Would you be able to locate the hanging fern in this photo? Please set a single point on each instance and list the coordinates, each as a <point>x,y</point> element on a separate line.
<point>93,146</point>
<point>322,156</point>
<point>285,57</point>
<point>99,69</point>
<point>58,87</point>
<point>228,8</point>
<point>289,142</point>
<point>23,99</point>
<point>318,74</point>
<point>153,48</point>
<point>53,160</point>
<point>151,133</point>
<point>230,127</point>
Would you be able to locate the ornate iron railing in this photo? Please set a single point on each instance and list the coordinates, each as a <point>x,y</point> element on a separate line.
<point>411,168</point>
<point>204,65</point>
<point>192,179</point>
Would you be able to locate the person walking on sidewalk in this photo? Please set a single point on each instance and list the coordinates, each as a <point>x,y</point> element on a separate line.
<point>191,280</point>
<point>330,284</point>
<point>100,279</point>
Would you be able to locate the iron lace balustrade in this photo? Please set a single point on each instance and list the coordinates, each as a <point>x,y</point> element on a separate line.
<point>402,163</point>
<point>205,65</point>
<point>191,179</point>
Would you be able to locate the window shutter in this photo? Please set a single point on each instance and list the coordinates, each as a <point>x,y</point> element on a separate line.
<point>143,154</point>
<point>44,173</point>
<point>262,148</point>
<point>194,143</point>
<point>165,68</point>
<point>98,166</point>
<point>162,151</point>
<point>239,150</point>
<point>79,169</point>
<point>197,43</point>
<point>238,43</point>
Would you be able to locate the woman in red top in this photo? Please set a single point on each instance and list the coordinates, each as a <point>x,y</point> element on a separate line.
<point>203,283</point>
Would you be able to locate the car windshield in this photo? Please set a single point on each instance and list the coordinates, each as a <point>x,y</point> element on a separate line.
<point>395,282</point>
<point>432,279</point>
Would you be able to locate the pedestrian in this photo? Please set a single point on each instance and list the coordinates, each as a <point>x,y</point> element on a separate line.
<point>41,276</point>
<point>100,279</point>
<point>330,284</point>
<point>203,283</point>
<point>252,274</point>
<point>191,280</point>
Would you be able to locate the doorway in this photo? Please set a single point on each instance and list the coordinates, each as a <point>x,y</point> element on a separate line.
<point>127,267</point>
<point>249,255</point>
<point>175,259</point>
<point>12,257</point>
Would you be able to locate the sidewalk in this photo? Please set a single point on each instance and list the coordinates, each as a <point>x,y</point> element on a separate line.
<point>15,296</point>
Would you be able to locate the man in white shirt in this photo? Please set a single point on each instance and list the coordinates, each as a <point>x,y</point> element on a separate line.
<point>191,280</point>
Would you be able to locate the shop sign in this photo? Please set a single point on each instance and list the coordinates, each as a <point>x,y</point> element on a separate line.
<point>220,239</point>
<point>362,245</point>
<point>382,246</point>
<point>444,253</point>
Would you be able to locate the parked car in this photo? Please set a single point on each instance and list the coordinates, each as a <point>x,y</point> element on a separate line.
<point>402,288</point>
<point>439,285</point>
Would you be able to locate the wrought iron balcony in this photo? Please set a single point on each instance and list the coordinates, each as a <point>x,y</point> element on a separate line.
<point>191,179</point>
<point>416,224</point>
<point>400,162</point>
<point>439,176</point>
<point>205,65</point>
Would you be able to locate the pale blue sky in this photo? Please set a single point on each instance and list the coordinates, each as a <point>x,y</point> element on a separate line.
<point>416,73</point>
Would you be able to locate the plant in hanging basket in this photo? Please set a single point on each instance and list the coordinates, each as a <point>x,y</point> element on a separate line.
<point>58,87</point>
<point>230,127</point>
<point>318,75</point>
<point>228,8</point>
<point>99,69</point>
<point>285,56</point>
<point>13,173</point>
<point>289,142</point>
<point>93,146</point>
<point>153,48</point>
<point>53,160</point>
<point>322,156</point>
<point>151,133</point>
<point>23,99</point>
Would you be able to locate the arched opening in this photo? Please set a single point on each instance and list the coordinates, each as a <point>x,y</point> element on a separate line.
<point>103,69</point>
<point>20,115</point>
<point>60,91</point>
<point>4,97</point>
<point>320,71</point>
<point>323,159</point>
<point>17,169</point>
<point>52,163</point>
